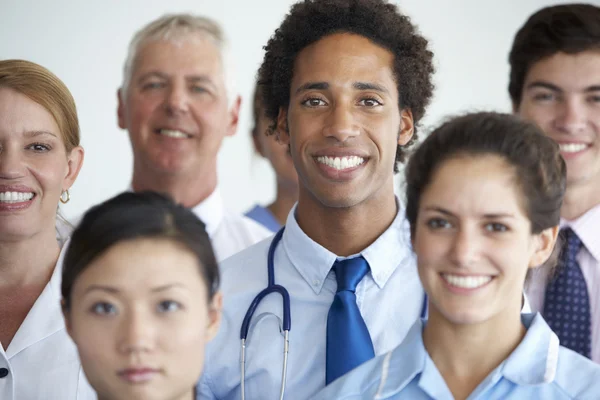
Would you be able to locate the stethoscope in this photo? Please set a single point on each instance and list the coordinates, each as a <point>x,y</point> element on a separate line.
<point>287,321</point>
<point>286,324</point>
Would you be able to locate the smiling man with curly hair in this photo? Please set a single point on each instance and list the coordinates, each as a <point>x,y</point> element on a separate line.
<point>346,82</point>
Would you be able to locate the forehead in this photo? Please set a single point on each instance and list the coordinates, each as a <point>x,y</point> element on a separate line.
<point>470,185</point>
<point>143,263</point>
<point>572,72</point>
<point>344,58</point>
<point>20,114</point>
<point>188,55</point>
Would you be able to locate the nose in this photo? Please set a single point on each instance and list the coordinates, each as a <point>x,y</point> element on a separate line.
<point>572,116</point>
<point>12,165</point>
<point>177,100</point>
<point>341,123</point>
<point>465,248</point>
<point>135,334</point>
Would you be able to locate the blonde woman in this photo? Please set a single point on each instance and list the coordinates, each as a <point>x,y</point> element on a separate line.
<point>40,158</point>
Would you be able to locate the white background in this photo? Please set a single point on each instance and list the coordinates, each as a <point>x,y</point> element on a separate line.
<point>85,43</point>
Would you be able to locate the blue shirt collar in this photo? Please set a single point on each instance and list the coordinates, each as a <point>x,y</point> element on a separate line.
<point>391,250</point>
<point>533,362</point>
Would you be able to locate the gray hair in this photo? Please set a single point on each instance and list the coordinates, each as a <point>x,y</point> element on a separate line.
<point>176,27</point>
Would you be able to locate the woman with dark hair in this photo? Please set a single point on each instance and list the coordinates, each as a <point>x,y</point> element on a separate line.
<point>274,215</point>
<point>140,297</point>
<point>484,193</point>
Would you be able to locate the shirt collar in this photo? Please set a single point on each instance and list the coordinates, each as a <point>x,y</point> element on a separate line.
<point>404,362</point>
<point>535,359</point>
<point>211,211</point>
<point>314,262</point>
<point>533,362</point>
<point>45,317</point>
<point>587,228</point>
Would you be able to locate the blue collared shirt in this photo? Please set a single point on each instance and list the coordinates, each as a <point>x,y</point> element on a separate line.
<point>265,217</point>
<point>539,368</point>
<point>389,297</point>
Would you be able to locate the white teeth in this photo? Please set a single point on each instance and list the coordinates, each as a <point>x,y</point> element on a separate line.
<point>341,163</point>
<point>572,147</point>
<point>173,133</point>
<point>466,282</point>
<point>15,197</point>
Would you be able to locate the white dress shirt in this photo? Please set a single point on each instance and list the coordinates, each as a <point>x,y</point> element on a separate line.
<point>390,298</point>
<point>537,369</point>
<point>587,228</point>
<point>229,232</point>
<point>42,360</point>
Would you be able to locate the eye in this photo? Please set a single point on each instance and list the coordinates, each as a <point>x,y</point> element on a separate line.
<point>153,85</point>
<point>102,308</point>
<point>594,98</point>
<point>496,227</point>
<point>39,147</point>
<point>438,223</point>
<point>199,89</point>
<point>313,102</point>
<point>370,102</point>
<point>168,306</point>
<point>545,97</point>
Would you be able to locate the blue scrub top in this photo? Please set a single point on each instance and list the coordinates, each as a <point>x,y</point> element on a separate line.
<point>264,217</point>
<point>539,368</point>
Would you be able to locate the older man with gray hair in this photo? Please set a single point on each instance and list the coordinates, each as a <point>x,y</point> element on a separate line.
<point>177,104</point>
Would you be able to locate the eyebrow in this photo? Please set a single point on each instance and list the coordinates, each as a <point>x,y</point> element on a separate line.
<point>356,85</point>
<point>554,88</point>
<point>161,75</point>
<point>486,216</point>
<point>312,86</point>
<point>114,290</point>
<point>32,134</point>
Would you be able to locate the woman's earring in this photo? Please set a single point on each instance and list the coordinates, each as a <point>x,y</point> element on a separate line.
<point>65,199</point>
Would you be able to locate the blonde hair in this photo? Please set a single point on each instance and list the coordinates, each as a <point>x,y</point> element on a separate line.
<point>174,27</point>
<point>46,89</point>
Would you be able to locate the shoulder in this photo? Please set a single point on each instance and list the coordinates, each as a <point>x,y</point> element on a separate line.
<point>578,376</point>
<point>361,383</point>
<point>247,227</point>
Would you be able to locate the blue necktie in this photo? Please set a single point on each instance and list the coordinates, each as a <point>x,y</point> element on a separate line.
<point>567,304</point>
<point>348,341</point>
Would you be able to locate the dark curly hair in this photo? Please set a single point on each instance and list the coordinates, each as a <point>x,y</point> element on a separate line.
<point>310,20</point>
<point>568,28</point>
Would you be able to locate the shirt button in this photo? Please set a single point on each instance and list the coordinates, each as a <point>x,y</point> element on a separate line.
<point>3,372</point>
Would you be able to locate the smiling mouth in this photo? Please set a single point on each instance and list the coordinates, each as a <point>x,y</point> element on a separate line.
<point>15,197</point>
<point>467,282</point>
<point>572,147</point>
<point>173,133</point>
<point>341,163</point>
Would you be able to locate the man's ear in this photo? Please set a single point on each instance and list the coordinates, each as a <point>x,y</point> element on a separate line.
<point>234,116</point>
<point>121,109</point>
<point>407,127</point>
<point>214,316</point>
<point>281,128</point>
<point>544,245</point>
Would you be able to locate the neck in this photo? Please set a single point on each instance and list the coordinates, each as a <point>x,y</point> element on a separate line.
<point>188,190</point>
<point>191,395</point>
<point>347,230</point>
<point>465,354</point>
<point>28,262</point>
<point>579,199</point>
<point>287,195</point>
